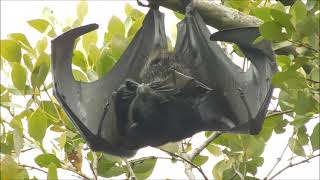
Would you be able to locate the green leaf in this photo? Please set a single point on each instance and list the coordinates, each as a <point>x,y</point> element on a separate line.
<point>8,146</point>
<point>128,23</point>
<point>298,10</point>
<point>115,26</point>
<point>144,170</point>
<point>296,147</point>
<point>220,167</point>
<point>253,146</point>
<point>49,108</point>
<point>315,140</point>
<point>28,62</point>
<point>170,147</point>
<point>11,170</point>
<point>215,150</point>
<point>43,26</point>
<point>82,9</point>
<point>283,61</point>
<point>307,26</point>
<point>283,19</point>
<point>262,13</point>
<point>118,45</point>
<point>107,167</point>
<point>42,45</point>
<point>136,26</point>
<point>79,76</point>
<point>133,13</point>
<point>40,70</point>
<point>302,136</point>
<point>104,64</point>
<point>114,171</point>
<point>93,54</point>
<point>278,6</point>
<point>200,160</point>
<point>229,140</point>
<point>44,160</point>
<point>253,164</point>
<point>18,76</point>
<point>272,31</point>
<point>305,103</point>
<point>37,125</point>
<point>89,39</point>
<point>52,172</point>
<point>290,79</point>
<point>2,89</point>
<point>22,39</point>
<point>79,60</point>
<point>300,120</point>
<point>10,50</point>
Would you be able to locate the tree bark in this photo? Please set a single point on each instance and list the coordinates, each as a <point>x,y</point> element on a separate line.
<point>215,15</point>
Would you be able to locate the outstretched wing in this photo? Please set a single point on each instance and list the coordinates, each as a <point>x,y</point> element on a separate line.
<point>90,106</point>
<point>239,100</point>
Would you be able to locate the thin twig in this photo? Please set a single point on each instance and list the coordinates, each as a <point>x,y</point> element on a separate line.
<point>198,150</point>
<point>278,161</point>
<point>32,167</point>
<point>150,157</point>
<point>304,45</point>
<point>76,172</point>
<point>277,113</point>
<point>186,160</point>
<point>132,175</point>
<point>294,164</point>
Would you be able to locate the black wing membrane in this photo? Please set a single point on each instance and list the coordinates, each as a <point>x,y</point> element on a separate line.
<point>90,106</point>
<point>239,100</point>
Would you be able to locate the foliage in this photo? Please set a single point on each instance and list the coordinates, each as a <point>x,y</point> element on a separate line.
<point>29,123</point>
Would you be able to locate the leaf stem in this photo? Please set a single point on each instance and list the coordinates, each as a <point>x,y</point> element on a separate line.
<point>32,167</point>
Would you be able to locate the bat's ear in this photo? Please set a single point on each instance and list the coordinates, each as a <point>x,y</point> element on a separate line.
<point>244,38</point>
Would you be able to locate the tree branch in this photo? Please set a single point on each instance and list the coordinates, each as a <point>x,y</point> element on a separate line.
<point>198,150</point>
<point>215,15</point>
<point>294,164</point>
<point>188,166</point>
<point>220,17</point>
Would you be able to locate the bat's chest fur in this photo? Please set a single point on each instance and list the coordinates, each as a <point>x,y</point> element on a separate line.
<point>160,65</point>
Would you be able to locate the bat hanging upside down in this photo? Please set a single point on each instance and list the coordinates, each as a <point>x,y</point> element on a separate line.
<point>152,96</point>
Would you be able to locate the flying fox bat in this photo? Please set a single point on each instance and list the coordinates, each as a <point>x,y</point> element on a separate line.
<point>152,96</point>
